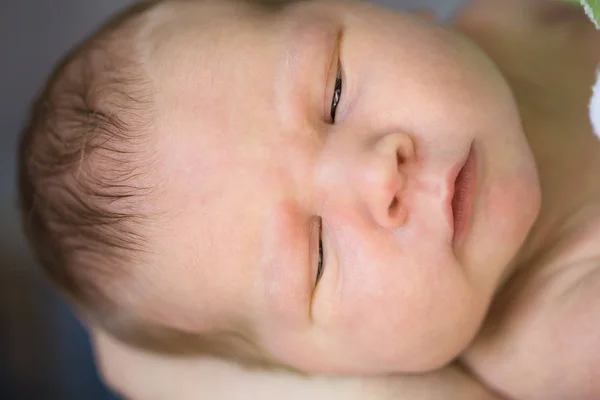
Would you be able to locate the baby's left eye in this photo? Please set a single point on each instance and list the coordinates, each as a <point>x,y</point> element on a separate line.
<point>337,93</point>
<point>321,258</point>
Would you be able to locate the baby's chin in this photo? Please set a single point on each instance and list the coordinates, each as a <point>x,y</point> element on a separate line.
<point>385,361</point>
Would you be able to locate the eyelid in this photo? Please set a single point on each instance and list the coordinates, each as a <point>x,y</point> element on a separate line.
<point>332,74</point>
<point>315,233</point>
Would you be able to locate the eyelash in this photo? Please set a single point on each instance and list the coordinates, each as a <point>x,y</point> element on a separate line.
<point>321,258</point>
<point>337,93</point>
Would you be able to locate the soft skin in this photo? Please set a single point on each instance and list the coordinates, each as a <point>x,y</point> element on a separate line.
<point>251,163</point>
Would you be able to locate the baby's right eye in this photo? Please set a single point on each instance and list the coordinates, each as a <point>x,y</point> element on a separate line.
<point>337,93</point>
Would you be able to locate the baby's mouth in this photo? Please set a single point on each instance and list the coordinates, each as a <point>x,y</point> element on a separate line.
<point>464,190</point>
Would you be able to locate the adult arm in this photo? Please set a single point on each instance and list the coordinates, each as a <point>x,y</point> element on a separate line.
<point>143,376</point>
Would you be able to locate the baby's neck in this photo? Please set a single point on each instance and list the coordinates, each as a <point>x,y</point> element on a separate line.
<point>556,123</point>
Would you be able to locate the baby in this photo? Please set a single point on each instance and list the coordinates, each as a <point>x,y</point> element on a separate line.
<point>328,187</point>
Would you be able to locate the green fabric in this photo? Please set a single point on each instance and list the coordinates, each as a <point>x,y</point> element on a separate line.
<point>592,9</point>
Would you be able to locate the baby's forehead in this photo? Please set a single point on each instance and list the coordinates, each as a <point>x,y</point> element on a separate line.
<point>179,22</point>
<point>216,73</point>
<point>180,30</point>
<point>188,43</point>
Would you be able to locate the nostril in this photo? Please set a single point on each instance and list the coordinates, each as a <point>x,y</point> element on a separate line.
<point>394,206</point>
<point>405,149</point>
<point>399,159</point>
<point>396,214</point>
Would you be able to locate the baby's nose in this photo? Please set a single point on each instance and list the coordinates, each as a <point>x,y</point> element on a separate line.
<point>382,179</point>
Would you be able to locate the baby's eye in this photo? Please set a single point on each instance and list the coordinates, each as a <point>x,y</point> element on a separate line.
<point>337,93</point>
<point>321,259</point>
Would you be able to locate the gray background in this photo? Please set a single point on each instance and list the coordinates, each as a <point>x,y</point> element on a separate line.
<point>44,353</point>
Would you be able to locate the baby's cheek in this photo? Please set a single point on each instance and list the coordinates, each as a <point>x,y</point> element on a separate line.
<point>391,317</point>
<point>505,211</point>
<point>512,203</point>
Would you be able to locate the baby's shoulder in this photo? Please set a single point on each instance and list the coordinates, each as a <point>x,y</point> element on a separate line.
<point>580,246</point>
<point>542,339</point>
<point>559,275</point>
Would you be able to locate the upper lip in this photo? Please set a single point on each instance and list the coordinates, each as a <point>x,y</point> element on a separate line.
<point>451,185</point>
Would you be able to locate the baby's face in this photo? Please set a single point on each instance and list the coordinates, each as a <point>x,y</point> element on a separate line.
<point>259,179</point>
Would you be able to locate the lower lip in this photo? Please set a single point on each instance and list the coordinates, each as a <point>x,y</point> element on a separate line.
<point>464,191</point>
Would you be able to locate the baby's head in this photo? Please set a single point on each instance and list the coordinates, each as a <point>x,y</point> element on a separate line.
<point>275,182</point>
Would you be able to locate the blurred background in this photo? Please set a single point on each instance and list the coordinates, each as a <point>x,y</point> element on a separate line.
<point>44,351</point>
